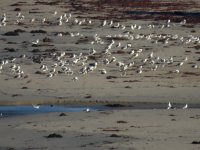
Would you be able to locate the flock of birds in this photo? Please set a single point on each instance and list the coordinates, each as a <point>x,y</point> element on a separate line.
<point>79,63</point>
<point>132,60</point>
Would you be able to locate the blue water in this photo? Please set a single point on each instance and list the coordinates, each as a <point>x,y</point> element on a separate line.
<point>8,111</point>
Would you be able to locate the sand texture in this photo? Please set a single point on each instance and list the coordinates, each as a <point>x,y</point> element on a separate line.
<point>123,129</point>
<point>135,60</point>
<point>96,52</point>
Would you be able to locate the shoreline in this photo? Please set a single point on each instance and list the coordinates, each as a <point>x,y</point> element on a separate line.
<point>111,104</point>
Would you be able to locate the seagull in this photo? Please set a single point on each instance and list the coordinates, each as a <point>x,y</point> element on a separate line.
<point>36,106</point>
<point>75,79</point>
<point>53,70</point>
<point>44,69</point>
<point>124,47</point>
<point>117,25</point>
<point>18,14</point>
<point>131,64</point>
<point>104,23</point>
<point>106,62</point>
<point>87,110</point>
<point>135,55</point>
<point>169,106</point>
<point>154,68</point>
<point>151,55</point>
<point>103,71</point>
<point>59,34</point>
<point>66,20</point>
<point>92,51</point>
<point>133,27</point>
<point>111,23</point>
<point>139,27</point>
<point>60,18</point>
<point>195,66</point>
<point>55,13</point>
<point>145,60</point>
<point>90,21</point>
<point>41,67</point>
<point>3,19</point>
<point>176,71</point>
<point>186,59</point>
<point>162,27</point>
<point>43,20</point>
<point>132,52</point>
<point>139,71</point>
<point>22,17</point>
<point>32,20</point>
<point>140,50</point>
<point>80,23</point>
<point>171,59</point>
<point>50,75</point>
<point>183,22</point>
<point>6,62</point>
<point>186,106</point>
<point>60,23</point>
<point>118,45</point>
<point>180,64</point>
<point>70,15</point>
<point>113,59</point>
<point>36,42</point>
<point>123,27</point>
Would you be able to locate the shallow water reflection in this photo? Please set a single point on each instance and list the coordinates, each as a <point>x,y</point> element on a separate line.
<point>7,111</point>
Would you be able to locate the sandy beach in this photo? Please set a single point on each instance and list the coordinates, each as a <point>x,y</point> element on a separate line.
<point>138,79</point>
<point>137,54</point>
<point>120,129</point>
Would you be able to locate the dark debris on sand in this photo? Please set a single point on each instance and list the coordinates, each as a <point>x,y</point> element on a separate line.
<point>62,114</point>
<point>88,96</point>
<point>114,135</point>
<point>111,77</point>
<point>38,31</point>
<point>11,49</point>
<point>11,33</point>
<point>122,121</point>
<point>54,135</point>
<point>195,142</point>
<point>115,105</point>
<point>19,31</point>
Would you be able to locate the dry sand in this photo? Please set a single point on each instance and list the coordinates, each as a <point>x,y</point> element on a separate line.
<point>161,85</point>
<point>119,129</point>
